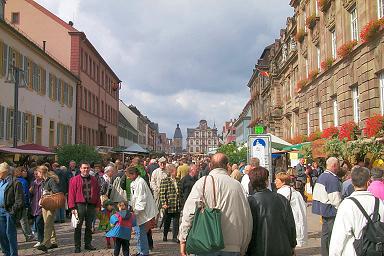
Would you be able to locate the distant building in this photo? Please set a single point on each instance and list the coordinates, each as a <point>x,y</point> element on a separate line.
<point>177,143</point>
<point>242,124</point>
<point>46,111</point>
<point>202,139</point>
<point>163,144</point>
<point>128,134</point>
<point>229,132</point>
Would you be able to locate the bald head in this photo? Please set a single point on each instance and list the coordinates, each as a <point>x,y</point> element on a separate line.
<point>219,160</point>
<point>333,164</point>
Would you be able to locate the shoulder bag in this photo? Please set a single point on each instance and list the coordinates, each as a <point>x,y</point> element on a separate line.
<point>205,235</point>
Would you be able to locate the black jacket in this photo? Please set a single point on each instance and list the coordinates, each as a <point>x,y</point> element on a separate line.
<point>63,180</point>
<point>187,183</point>
<point>14,198</point>
<point>274,232</point>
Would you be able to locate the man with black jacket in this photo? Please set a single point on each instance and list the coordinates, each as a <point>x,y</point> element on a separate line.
<point>11,206</point>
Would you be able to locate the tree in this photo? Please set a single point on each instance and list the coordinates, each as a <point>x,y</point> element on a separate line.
<point>234,153</point>
<point>78,153</point>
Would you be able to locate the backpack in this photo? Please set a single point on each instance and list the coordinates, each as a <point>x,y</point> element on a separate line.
<point>371,242</point>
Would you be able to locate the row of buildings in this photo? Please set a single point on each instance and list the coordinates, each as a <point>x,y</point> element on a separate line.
<point>326,69</point>
<point>67,92</point>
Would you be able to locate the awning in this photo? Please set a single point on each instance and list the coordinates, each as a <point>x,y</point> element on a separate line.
<point>278,143</point>
<point>35,147</point>
<point>296,146</point>
<point>9,150</point>
<point>133,148</point>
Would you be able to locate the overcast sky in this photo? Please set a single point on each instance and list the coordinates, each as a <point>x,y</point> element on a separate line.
<point>180,60</point>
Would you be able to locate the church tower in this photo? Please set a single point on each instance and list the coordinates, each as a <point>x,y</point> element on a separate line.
<point>178,141</point>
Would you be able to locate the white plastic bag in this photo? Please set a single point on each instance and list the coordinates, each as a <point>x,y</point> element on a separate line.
<point>74,220</point>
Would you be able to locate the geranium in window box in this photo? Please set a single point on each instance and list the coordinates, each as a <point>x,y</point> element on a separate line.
<point>313,74</point>
<point>374,126</point>
<point>301,84</point>
<point>300,35</point>
<point>314,136</point>
<point>327,63</point>
<point>371,30</point>
<point>330,133</point>
<point>310,22</point>
<point>346,48</point>
<point>299,139</point>
<point>349,131</point>
<point>324,4</point>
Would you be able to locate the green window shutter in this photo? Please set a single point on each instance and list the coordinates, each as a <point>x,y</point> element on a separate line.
<point>18,125</point>
<point>33,128</point>
<point>58,134</point>
<point>24,127</point>
<point>2,122</point>
<point>7,125</point>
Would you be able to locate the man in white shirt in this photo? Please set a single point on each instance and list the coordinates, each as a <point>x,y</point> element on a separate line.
<point>350,221</point>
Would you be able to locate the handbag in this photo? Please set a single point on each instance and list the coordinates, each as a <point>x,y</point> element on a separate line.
<point>53,201</point>
<point>205,235</point>
<point>74,220</point>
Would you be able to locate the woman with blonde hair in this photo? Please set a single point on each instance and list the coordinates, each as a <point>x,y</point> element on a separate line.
<point>283,181</point>
<point>50,186</point>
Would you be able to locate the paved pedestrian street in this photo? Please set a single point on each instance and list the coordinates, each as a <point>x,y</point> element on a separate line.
<point>65,239</point>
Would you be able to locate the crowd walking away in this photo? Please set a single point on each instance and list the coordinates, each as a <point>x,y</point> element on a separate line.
<point>209,205</point>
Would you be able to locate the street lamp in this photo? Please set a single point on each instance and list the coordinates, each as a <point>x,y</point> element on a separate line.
<point>15,76</point>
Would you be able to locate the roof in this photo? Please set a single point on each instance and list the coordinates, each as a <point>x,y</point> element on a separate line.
<point>126,123</point>
<point>34,147</point>
<point>177,134</point>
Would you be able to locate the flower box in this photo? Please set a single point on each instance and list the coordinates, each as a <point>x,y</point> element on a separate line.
<point>327,63</point>
<point>301,84</point>
<point>323,4</point>
<point>346,48</point>
<point>371,30</point>
<point>314,136</point>
<point>311,21</point>
<point>299,139</point>
<point>313,74</point>
<point>300,35</point>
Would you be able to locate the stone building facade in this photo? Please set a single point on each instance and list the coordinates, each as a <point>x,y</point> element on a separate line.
<point>313,81</point>
<point>177,142</point>
<point>202,139</point>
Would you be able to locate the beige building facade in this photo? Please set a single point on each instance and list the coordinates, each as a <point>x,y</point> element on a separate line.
<point>47,105</point>
<point>202,139</point>
<point>320,72</point>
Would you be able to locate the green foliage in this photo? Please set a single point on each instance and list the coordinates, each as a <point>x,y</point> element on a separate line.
<point>335,147</point>
<point>234,153</point>
<point>306,151</point>
<point>78,153</point>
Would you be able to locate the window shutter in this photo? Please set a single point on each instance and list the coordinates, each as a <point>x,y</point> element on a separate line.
<point>43,86</point>
<point>5,60</point>
<point>70,96</point>
<point>2,123</point>
<point>58,134</point>
<point>1,58</point>
<point>18,126</point>
<point>7,126</point>
<point>32,129</point>
<point>23,127</point>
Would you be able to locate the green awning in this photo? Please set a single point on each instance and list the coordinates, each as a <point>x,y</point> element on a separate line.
<point>296,146</point>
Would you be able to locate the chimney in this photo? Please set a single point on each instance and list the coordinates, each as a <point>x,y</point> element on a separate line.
<point>44,43</point>
<point>70,23</point>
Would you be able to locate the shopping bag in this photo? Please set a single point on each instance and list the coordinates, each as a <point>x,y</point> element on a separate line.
<point>74,220</point>
<point>205,235</point>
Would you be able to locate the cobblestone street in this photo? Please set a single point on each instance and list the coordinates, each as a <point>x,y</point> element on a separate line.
<point>65,239</point>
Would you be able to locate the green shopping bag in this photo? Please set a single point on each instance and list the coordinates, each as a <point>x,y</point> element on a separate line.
<point>205,235</point>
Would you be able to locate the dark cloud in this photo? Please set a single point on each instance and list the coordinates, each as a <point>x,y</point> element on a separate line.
<point>200,52</point>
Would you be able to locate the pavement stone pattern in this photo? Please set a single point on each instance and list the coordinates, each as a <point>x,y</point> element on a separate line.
<point>66,247</point>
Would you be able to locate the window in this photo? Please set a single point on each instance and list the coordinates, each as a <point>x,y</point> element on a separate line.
<point>380,8</point>
<point>89,101</point>
<point>85,99</point>
<point>58,89</point>
<point>333,44</point>
<point>354,25</point>
<point>4,61</point>
<point>15,18</point>
<point>356,109</point>
<point>320,118</point>
<point>65,96</point>
<point>39,127</point>
<point>335,112</point>
<point>318,56</point>
<point>2,121</point>
<point>316,8</point>
<point>308,123</point>
<point>381,79</point>
<point>306,68</point>
<point>51,133</point>
<point>70,96</point>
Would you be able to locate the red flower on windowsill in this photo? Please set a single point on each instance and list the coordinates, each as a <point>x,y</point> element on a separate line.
<point>314,136</point>
<point>346,48</point>
<point>330,133</point>
<point>371,30</point>
<point>301,84</point>
<point>348,131</point>
<point>327,63</point>
<point>313,74</point>
<point>374,126</point>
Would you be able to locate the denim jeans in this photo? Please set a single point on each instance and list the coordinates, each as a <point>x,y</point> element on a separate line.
<point>25,227</point>
<point>60,215</point>
<point>38,223</point>
<point>142,240</point>
<point>8,234</point>
<point>326,233</point>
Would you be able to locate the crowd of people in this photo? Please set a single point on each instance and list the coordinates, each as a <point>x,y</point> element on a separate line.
<point>260,216</point>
